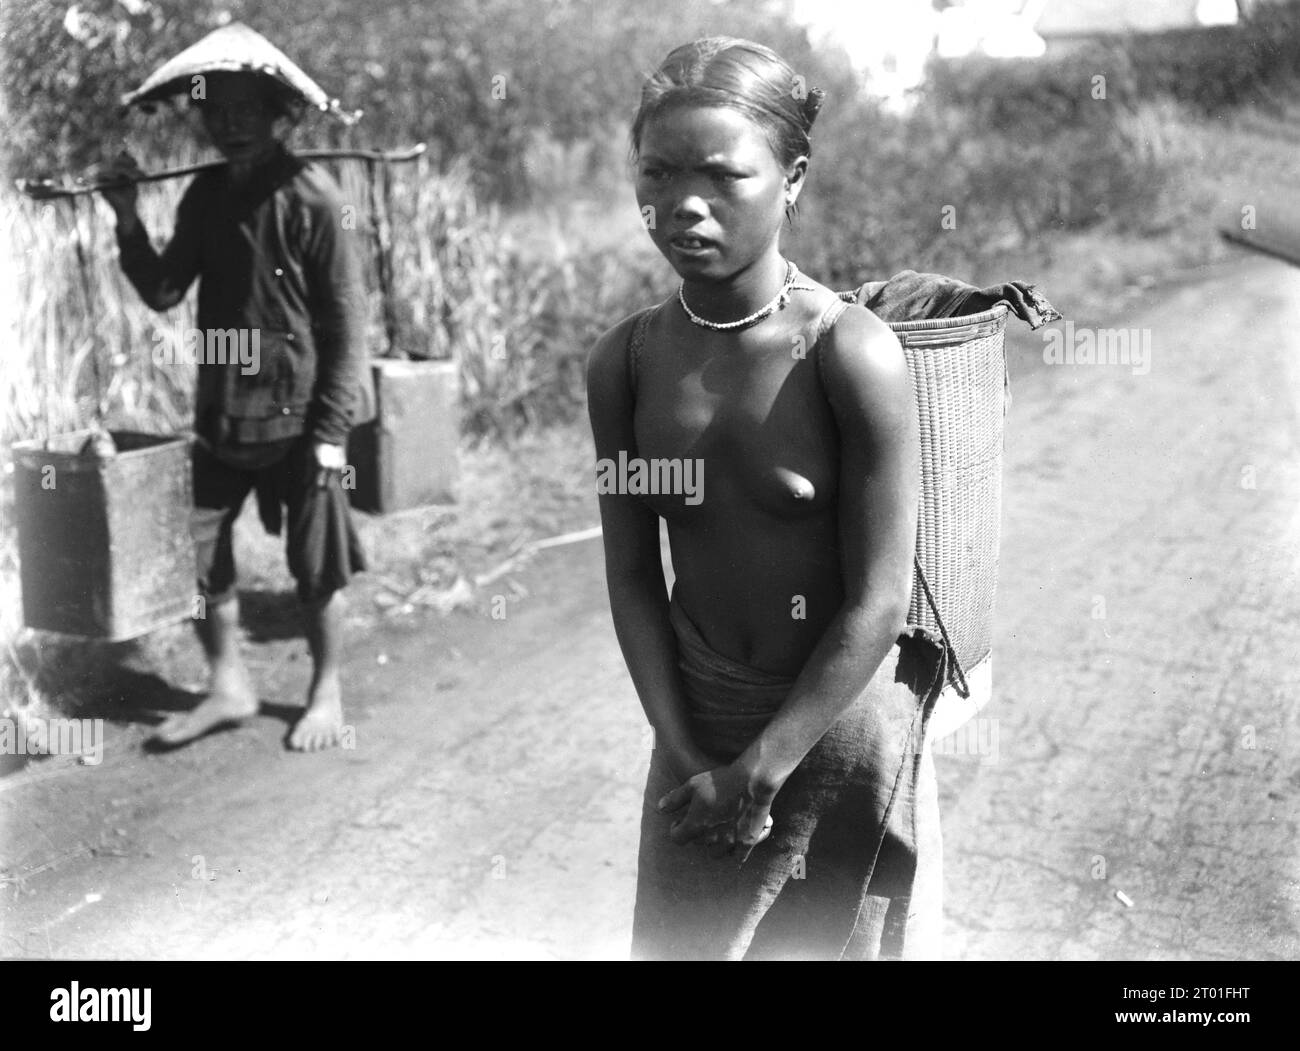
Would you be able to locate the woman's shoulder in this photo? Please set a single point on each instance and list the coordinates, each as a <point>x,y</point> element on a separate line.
<point>624,328</point>
<point>857,340</point>
<point>862,366</point>
<point>611,350</point>
<point>840,318</point>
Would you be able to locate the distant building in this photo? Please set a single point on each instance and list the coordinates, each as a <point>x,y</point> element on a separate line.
<point>1063,23</point>
<point>891,43</point>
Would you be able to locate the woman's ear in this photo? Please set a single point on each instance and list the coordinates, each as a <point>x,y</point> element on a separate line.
<point>794,182</point>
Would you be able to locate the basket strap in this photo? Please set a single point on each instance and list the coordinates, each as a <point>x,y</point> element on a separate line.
<point>635,343</point>
<point>828,319</point>
<point>957,676</point>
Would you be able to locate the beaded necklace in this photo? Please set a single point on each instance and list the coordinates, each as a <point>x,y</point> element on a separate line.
<point>778,302</point>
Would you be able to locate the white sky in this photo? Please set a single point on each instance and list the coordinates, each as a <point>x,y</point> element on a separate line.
<point>892,38</point>
<point>868,29</point>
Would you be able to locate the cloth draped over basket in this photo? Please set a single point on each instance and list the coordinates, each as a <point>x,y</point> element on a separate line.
<point>234,48</point>
<point>911,296</point>
<point>953,337</point>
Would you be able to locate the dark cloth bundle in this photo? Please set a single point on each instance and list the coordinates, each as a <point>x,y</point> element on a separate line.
<point>911,296</point>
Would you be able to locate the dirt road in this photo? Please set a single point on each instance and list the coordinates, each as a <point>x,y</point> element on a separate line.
<point>1143,738</point>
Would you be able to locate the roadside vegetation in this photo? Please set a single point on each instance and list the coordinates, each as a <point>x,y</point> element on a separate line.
<point>515,242</point>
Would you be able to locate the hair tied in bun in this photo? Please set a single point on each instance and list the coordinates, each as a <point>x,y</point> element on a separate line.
<point>812,105</point>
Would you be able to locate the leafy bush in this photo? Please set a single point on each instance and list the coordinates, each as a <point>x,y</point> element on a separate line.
<point>1210,69</point>
<point>480,80</point>
<point>930,192</point>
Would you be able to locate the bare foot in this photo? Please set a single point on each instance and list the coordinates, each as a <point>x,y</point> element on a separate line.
<point>321,725</point>
<point>226,706</point>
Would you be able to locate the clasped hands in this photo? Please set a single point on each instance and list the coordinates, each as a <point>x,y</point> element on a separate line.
<point>720,809</point>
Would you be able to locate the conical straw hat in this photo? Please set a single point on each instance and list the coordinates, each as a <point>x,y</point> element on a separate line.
<point>233,48</point>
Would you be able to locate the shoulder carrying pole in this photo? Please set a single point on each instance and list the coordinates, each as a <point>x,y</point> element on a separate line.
<point>48,190</point>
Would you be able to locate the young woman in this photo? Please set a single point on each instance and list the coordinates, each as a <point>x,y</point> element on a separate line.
<point>790,809</point>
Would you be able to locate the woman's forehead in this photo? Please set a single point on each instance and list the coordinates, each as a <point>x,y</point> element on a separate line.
<point>703,135</point>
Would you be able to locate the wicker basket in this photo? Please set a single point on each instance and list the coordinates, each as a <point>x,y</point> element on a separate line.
<point>959,375</point>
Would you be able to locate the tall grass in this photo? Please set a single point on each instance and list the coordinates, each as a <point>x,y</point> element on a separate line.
<point>79,338</point>
<point>516,310</point>
<point>517,301</point>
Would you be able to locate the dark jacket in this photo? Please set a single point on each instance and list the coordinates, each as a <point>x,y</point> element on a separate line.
<point>272,256</point>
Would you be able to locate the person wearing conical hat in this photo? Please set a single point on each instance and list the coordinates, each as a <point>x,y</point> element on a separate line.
<point>279,279</point>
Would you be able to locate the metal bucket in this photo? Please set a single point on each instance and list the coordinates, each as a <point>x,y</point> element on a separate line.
<point>104,542</point>
<point>407,455</point>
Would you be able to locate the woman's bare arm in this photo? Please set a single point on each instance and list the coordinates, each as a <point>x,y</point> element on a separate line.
<point>870,392</point>
<point>638,595</point>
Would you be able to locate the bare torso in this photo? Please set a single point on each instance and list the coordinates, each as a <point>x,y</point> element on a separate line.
<point>757,559</point>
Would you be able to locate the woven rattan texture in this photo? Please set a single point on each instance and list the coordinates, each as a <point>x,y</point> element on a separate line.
<point>959,378</point>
